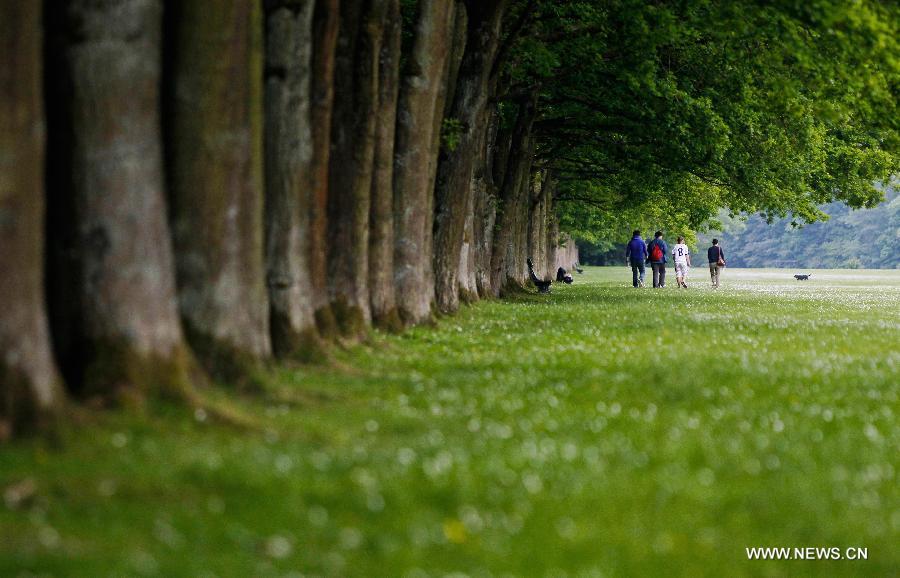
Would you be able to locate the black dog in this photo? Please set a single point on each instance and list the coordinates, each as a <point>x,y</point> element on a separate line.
<point>802,277</point>
<point>542,286</point>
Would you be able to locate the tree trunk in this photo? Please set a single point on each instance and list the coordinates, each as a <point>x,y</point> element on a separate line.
<point>535,226</point>
<point>507,238</point>
<point>215,153</point>
<point>381,214</point>
<point>30,388</point>
<point>289,182</point>
<point>325,33</point>
<point>107,191</point>
<point>454,191</point>
<point>418,107</point>
<point>485,206</point>
<point>352,155</point>
<point>553,243</point>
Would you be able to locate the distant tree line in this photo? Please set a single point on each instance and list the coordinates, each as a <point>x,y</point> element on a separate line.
<point>190,188</point>
<point>849,239</point>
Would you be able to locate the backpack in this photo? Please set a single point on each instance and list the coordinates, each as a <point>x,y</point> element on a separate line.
<point>656,253</point>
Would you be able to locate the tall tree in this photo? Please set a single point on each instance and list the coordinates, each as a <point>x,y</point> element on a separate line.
<point>214,140</point>
<point>325,32</point>
<point>30,388</point>
<point>418,113</point>
<point>381,214</point>
<point>106,191</point>
<point>351,168</point>
<point>468,114</point>
<point>289,179</point>
<point>508,244</point>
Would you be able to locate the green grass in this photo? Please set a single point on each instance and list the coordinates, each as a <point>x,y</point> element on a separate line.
<point>597,431</point>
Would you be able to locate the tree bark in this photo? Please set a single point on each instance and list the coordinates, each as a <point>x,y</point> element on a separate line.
<point>325,33</point>
<point>485,206</point>
<point>381,214</point>
<point>107,190</point>
<point>289,179</point>
<point>30,387</point>
<point>216,179</point>
<point>454,191</point>
<point>508,235</point>
<point>352,156</point>
<point>418,112</point>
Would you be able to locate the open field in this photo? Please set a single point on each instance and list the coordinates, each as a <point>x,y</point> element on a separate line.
<point>597,431</point>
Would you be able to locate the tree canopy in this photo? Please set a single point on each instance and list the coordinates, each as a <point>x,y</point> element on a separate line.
<point>666,112</point>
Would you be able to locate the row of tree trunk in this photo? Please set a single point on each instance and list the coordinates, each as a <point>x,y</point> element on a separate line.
<point>228,180</point>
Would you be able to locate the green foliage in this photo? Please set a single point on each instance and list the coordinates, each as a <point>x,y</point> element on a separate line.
<point>687,107</point>
<point>604,439</point>
<point>451,132</point>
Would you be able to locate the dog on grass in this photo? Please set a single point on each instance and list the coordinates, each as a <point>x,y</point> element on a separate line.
<point>802,277</point>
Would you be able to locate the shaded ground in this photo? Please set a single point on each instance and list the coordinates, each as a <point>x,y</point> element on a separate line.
<point>597,431</point>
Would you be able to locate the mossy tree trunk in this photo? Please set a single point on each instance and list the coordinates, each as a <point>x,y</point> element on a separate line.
<point>352,155</point>
<point>30,387</point>
<point>106,186</point>
<point>215,147</point>
<point>325,31</point>
<point>468,112</point>
<point>509,233</point>
<point>289,180</point>
<point>381,214</point>
<point>553,243</point>
<point>485,206</point>
<point>418,119</point>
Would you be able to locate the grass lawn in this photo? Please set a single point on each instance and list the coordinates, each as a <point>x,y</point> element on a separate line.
<point>597,431</point>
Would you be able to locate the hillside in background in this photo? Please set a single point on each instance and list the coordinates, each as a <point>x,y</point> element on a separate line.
<point>861,239</point>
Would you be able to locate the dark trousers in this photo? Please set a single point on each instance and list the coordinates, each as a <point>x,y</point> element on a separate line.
<point>659,274</point>
<point>637,272</point>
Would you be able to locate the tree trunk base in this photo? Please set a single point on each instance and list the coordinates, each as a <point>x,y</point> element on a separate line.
<point>20,409</point>
<point>288,343</point>
<point>389,321</point>
<point>467,296</point>
<point>118,375</point>
<point>326,323</point>
<point>226,363</point>
<point>351,321</point>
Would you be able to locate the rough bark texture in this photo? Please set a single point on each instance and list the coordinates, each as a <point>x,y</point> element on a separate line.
<point>106,191</point>
<point>352,155</point>
<point>325,31</point>
<point>30,390</point>
<point>485,207</point>
<point>381,214</point>
<point>418,113</point>
<point>216,181</point>
<point>537,226</point>
<point>553,243</point>
<point>454,191</point>
<point>289,180</point>
<point>510,231</point>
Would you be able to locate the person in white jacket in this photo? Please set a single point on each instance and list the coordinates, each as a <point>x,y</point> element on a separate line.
<point>682,257</point>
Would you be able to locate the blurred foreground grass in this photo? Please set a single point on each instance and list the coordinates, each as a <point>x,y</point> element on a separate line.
<point>597,431</point>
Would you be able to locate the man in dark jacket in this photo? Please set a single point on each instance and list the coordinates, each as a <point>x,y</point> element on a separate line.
<point>657,249</point>
<point>635,255</point>
<point>716,257</point>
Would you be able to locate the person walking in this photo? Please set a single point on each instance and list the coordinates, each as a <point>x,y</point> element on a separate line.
<point>682,256</point>
<point>657,250</point>
<point>635,255</point>
<point>716,257</point>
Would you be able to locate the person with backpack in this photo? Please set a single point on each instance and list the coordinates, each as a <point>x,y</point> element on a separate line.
<point>635,255</point>
<point>657,250</point>
<point>682,256</point>
<point>716,257</point>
